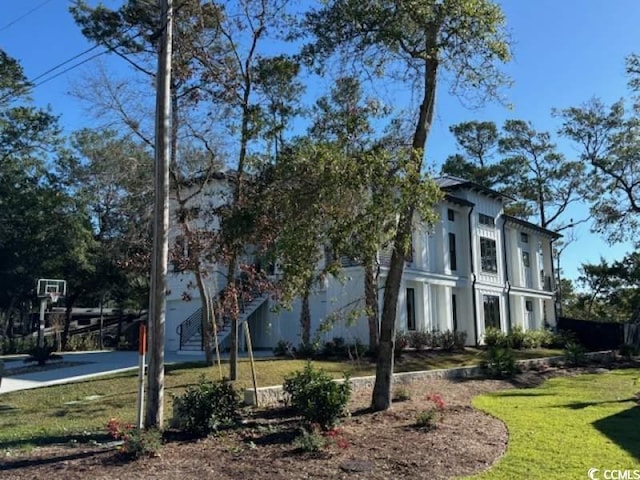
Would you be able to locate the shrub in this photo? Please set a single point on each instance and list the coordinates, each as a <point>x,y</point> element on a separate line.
<point>284,349</point>
<point>574,354</point>
<point>136,442</point>
<point>516,338</point>
<point>80,343</point>
<point>307,350</point>
<point>206,408</point>
<point>402,342</point>
<point>42,355</point>
<point>459,340</point>
<point>419,339</point>
<point>401,395</point>
<point>500,362</point>
<point>434,413</point>
<point>317,397</point>
<point>494,337</point>
<point>628,350</point>
<point>436,339</point>
<point>310,440</point>
<point>562,338</point>
<point>356,350</point>
<point>447,340</point>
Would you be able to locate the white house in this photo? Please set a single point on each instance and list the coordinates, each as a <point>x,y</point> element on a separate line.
<point>477,268</point>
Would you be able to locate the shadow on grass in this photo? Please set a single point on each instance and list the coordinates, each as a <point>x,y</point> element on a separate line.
<point>582,405</point>
<point>622,429</point>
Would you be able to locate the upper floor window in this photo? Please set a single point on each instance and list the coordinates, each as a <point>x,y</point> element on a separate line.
<point>451,215</point>
<point>488,255</point>
<point>453,261</point>
<point>524,237</point>
<point>486,220</point>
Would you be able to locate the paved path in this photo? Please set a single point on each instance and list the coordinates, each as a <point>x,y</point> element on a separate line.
<point>94,364</point>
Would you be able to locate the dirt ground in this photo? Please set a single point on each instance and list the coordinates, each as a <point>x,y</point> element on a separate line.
<point>379,445</point>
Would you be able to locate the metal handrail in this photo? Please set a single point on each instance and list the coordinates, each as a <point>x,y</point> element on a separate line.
<point>190,327</point>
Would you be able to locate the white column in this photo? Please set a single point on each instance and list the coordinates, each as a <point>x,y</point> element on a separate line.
<point>534,255</point>
<point>538,315</point>
<point>446,322</point>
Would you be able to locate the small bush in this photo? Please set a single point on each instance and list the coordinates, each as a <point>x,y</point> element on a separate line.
<point>500,362</point>
<point>284,349</point>
<point>402,343</point>
<point>436,339</point>
<point>310,440</point>
<point>628,351</point>
<point>42,355</point>
<point>317,397</point>
<point>447,340</point>
<point>82,343</point>
<point>574,354</point>
<point>307,350</point>
<point>562,338</point>
<point>419,339</point>
<point>459,340</point>
<point>494,337</point>
<point>206,408</point>
<point>136,442</point>
<point>355,351</point>
<point>516,338</point>
<point>434,413</point>
<point>401,395</point>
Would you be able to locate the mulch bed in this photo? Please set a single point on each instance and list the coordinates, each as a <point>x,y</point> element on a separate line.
<point>381,445</point>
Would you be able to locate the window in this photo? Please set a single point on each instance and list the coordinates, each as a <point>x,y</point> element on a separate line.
<point>451,215</point>
<point>488,255</point>
<point>491,311</point>
<point>528,305</point>
<point>525,259</point>
<point>454,312</point>
<point>486,220</point>
<point>453,261</point>
<point>524,237</point>
<point>411,309</point>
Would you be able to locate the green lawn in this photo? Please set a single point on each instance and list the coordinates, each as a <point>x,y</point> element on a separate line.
<point>567,426</point>
<point>77,411</point>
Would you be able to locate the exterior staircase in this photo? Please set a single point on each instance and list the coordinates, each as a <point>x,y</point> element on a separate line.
<point>190,330</point>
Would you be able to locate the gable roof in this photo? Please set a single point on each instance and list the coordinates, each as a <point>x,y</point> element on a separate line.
<point>450,183</point>
<point>531,226</point>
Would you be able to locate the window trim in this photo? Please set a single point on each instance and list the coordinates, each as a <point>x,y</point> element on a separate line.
<point>491,304</point>
<point>485,256</point>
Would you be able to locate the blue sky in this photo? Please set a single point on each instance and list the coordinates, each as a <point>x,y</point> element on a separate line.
<point>566,51</point>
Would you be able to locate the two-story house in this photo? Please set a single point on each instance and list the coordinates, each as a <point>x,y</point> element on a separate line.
<point>476,268</point>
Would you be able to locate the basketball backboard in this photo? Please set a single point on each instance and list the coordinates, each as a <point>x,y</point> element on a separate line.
<point>49,288</point>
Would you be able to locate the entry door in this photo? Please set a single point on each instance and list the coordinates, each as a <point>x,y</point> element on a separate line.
<point>526,264</point>
<point>529,321</point>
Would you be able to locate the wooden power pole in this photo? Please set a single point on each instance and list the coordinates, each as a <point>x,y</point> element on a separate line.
<point>157,297</point>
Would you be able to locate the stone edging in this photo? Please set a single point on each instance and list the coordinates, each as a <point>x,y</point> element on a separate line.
<point>275,395</point>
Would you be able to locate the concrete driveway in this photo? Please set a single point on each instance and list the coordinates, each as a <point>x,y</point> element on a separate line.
<point>90,365</point>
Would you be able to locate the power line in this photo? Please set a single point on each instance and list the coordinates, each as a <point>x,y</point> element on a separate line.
<point>13,22</point>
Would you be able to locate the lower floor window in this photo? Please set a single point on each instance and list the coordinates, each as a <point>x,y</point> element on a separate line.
<point>491,311</point>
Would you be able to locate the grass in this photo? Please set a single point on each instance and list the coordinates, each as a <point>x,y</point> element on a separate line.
<point>567,426</point>
<point>78,411</point>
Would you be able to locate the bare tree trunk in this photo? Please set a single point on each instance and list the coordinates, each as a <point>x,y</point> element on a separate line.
<point>381,398</point>
<point>371,303</point>
<point>154,415</point>
<point>233,355</point>
<point>207,319</point>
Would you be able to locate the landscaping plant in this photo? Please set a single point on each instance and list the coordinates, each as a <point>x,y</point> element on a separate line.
<point>317,397</point>
<point>136,442</point>
<point>494,337</point>
<point>207,407</point>
<point>574,354</point>
<point>434,413</point>
<point>500,362</point>
<point>42,355</point>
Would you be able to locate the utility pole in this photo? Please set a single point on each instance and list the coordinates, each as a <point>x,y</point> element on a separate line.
<point>157,296</point>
